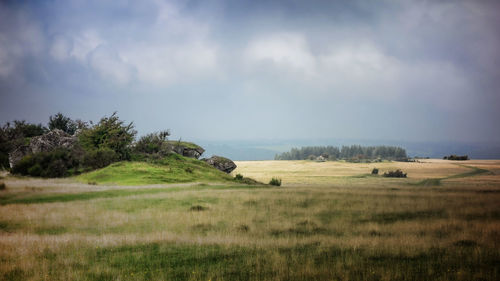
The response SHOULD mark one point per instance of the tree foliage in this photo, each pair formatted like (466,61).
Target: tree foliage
(152,143)
(53,164)
(111,133)
(15,134)
(61,122)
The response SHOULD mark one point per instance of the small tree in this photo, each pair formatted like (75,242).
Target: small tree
(110,132)
(61,122)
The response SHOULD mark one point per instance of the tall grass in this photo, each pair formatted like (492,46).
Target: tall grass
(372,229)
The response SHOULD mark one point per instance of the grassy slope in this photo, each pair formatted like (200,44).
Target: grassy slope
(173,169)
(185,144)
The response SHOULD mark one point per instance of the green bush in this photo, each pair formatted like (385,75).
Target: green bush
(2,186)
(395,174)
(109,133)
(375,171)
(238,177)
(14,135)
(275,181)
(56,163)
(99,158)
(152,143)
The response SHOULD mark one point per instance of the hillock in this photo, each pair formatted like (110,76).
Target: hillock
(173,168)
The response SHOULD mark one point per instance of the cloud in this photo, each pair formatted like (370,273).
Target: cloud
(285,51)
(20,37)
(109,65)
(353,58)
(61,48)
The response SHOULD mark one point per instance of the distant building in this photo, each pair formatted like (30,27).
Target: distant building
(320,159)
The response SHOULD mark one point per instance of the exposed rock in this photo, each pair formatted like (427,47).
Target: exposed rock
(224,164)
(187,149)
(44,143)
(18,154)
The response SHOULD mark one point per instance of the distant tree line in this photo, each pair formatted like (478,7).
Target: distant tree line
(353,152)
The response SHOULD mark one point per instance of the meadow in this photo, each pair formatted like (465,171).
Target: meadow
(328,221)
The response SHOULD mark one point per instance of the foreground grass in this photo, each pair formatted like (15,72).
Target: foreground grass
(173,169)
(372,229)
(164,261)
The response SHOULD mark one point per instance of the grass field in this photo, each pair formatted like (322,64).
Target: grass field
(328,221)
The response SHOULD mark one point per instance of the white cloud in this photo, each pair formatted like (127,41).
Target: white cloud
(286,51)
(84,43)
(107,63)
(61,48)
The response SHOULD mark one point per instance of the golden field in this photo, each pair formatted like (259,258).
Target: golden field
(328,221)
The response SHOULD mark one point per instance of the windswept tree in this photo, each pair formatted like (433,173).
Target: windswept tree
(110,133)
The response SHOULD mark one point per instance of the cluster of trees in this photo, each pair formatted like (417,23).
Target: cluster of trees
(97,145)
(456,157)
(353,152)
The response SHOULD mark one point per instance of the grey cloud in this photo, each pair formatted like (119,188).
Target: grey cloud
(385,69)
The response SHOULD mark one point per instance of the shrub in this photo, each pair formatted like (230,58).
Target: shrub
(275,181)
(241,179)
(14,135)
(152,143)
(99,158)
(56,163)
(2,186)
(198,208)
(110,133)
(395,174)
(375,171)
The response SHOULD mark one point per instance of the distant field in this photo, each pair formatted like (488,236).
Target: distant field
(329,221)
(311,172)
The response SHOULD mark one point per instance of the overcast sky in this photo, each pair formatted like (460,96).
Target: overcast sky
(229,70)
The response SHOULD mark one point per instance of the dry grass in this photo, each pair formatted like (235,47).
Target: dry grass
(339,226)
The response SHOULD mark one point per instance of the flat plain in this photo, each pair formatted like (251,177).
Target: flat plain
(328,221)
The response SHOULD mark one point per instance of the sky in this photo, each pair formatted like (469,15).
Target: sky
(252,70)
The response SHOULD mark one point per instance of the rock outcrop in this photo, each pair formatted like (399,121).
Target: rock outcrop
(224,164)
(44,143)
(187,149)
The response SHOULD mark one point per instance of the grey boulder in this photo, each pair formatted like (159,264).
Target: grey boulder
(47,142)
(224,164)
(187,149)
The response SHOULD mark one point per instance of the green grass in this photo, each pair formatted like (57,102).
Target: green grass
(475,171)
(437,181)
(34,198)
(428,182)
(464,260)
(185,144)
(172,169)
